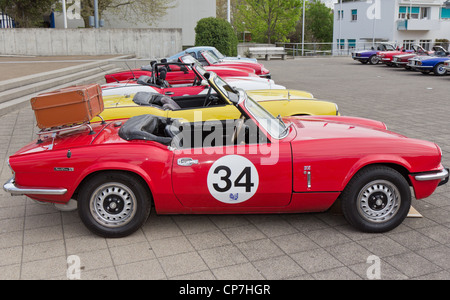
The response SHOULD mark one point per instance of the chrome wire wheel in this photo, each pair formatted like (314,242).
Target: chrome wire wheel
(379,201)
(113,205)
(374,60)
(440,70)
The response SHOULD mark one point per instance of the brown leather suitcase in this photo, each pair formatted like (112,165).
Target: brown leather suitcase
(67,106)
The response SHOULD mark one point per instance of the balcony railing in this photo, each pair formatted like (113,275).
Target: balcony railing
(418,24)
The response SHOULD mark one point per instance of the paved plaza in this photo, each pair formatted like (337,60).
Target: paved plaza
(39,242)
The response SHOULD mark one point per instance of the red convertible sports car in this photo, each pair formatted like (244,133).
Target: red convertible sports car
(386,57)
(118,171)
(179,75)
(210,60)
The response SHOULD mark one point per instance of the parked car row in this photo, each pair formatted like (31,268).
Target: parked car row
(434,61)
(177,137)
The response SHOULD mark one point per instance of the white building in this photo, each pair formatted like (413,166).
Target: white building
(359,24)
(184,15)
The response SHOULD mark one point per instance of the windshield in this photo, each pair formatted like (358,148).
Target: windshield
(274,126)
(200,70)
(389,47)
(225,89)
(189,59)
(217,53)
(211,58)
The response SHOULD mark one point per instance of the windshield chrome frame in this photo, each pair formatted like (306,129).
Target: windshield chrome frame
(244,98)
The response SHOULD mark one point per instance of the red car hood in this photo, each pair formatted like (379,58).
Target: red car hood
(359,135)
(335,147)
(333,125)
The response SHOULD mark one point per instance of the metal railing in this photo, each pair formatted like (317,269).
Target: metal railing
(325,49)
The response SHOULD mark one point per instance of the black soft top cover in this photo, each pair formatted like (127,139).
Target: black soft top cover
(147,127)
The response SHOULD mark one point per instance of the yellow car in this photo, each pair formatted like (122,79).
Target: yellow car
(213,105)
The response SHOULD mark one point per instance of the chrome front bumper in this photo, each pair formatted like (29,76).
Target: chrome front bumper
(11,187)
(443,175)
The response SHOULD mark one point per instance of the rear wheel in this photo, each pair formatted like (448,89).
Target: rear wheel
(377,199)
(114,204)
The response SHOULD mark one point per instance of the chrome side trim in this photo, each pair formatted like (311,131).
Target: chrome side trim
(443,174)
(10,187)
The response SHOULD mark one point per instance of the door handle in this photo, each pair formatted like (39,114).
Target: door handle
(169,93)
(187,162)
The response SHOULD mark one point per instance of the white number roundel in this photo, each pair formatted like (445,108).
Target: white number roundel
(233,179)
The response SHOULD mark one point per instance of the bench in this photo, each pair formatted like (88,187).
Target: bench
(268,52)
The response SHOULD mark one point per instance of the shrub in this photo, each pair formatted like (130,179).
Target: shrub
(216,33)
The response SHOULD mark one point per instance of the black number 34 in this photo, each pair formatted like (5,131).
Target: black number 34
(245,175)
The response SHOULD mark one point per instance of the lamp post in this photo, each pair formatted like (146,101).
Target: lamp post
(96,14)
(64,13)
(303,28)
(229,11)
(340,14)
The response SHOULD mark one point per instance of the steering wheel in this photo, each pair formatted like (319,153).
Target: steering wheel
(237,130)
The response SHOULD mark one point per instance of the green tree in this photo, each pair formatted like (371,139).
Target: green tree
(148,11)
(27,13)
(217,33)
(318,24)
(268,20)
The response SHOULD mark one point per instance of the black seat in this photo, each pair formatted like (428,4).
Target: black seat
(146,127)
(149,99)
(169,103)
(161,80)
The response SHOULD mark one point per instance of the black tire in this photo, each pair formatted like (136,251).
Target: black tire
(439,70)
(377,199)
(373,60)
(114,204)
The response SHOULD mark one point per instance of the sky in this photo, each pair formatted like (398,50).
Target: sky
(329,3)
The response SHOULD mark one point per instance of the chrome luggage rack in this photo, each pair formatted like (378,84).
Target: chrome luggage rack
(54,131)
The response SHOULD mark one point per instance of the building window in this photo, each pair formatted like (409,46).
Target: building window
(406,12)
(340,15)
(351,44)
(354,14)
(407,44)
(425,44)
(445,13)
(425,12)
(341,44)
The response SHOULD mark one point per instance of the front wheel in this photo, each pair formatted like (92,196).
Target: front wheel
(114,204)
(373,60)
(439,70)
(377,199)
